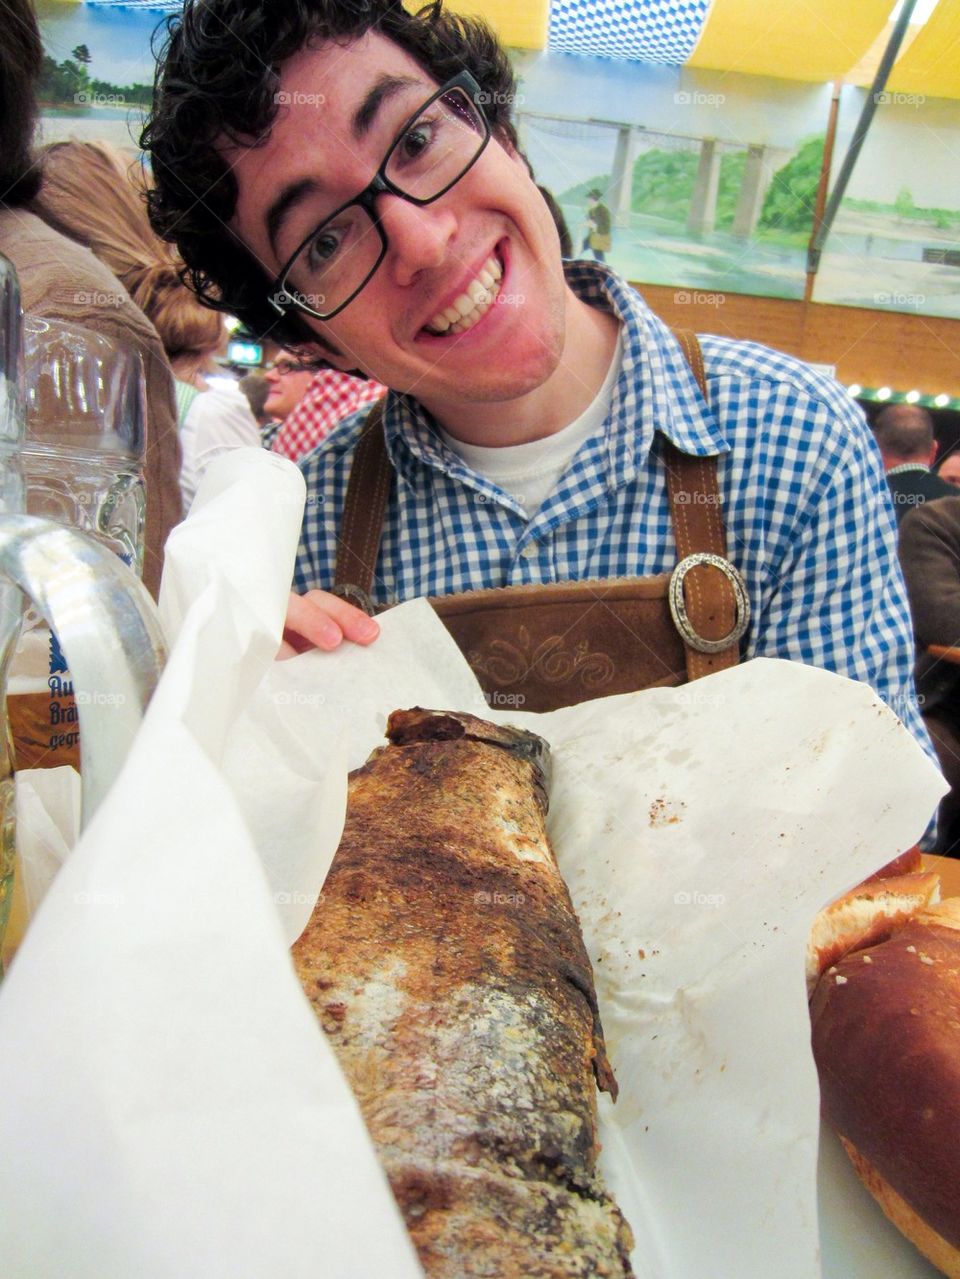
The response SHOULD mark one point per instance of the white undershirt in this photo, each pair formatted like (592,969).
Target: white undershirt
(530,472)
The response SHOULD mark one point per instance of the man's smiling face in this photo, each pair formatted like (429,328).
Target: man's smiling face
(343,106)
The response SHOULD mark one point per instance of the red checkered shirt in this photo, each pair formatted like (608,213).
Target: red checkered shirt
(329,398)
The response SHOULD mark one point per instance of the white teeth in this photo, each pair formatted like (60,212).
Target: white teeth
(472,304)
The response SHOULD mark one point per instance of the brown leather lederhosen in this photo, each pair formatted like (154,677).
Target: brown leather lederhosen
(543,646)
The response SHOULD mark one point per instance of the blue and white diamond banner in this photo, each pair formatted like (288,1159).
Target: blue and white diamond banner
(650,30)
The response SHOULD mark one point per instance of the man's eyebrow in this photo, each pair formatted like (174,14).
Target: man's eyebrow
(290,196)
(387,87)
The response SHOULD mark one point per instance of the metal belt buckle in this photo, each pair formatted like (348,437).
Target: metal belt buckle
(678,607)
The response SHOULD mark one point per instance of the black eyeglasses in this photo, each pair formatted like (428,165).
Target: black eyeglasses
(283,367)
(430,154)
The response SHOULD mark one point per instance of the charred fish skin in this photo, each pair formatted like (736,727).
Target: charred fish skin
(446,965)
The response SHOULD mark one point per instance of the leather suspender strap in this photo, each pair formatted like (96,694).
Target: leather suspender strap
(703,597)
(707,597)
(364,511)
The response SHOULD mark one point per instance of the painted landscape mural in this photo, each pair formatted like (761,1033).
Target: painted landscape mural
(706,179)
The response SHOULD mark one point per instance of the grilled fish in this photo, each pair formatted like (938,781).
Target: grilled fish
(445,963)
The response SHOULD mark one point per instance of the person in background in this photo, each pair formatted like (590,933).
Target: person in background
(94,194)
(287,378)
(904,435)
(930,557)
(256,387)
(949,468)
(61,280)
(598,240)
(328,397)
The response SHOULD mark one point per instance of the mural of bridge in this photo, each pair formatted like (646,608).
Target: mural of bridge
(761,163)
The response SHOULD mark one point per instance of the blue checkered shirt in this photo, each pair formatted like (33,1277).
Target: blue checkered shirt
(807,510)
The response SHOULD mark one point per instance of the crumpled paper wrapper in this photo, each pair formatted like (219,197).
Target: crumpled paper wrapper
(168,1104)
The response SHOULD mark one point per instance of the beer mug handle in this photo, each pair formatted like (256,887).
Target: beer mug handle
(120,517)
(109,631)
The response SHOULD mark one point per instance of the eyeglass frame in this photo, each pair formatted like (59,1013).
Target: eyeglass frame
(296,367)
(380,184)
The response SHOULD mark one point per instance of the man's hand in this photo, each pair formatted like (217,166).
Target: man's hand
(321,620)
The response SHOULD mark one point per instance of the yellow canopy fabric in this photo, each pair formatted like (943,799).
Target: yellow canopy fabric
(931,66)
(817,40)
(865,70)
(520,24)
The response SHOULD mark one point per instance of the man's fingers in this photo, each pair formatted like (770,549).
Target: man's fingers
(352,622)
(321,620)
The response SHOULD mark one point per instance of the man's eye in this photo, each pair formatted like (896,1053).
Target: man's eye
(416,140)
(323,247)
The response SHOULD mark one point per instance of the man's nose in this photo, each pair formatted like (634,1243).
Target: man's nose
(418,235)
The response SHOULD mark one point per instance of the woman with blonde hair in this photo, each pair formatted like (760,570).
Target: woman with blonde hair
(95,195)
(60,280)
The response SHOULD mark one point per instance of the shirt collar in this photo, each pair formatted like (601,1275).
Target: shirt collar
(656,391)
(904,467)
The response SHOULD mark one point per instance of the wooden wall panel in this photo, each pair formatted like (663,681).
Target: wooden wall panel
(773,321)
(874,348)
(878,348)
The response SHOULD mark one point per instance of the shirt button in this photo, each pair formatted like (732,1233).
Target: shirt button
(530,551)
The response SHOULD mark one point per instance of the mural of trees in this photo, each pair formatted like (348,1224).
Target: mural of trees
(790,200)
(70,83)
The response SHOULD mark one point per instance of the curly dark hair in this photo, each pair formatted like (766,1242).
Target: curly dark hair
(21,59)
(217,78)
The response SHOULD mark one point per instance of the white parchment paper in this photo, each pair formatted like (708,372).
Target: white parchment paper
(164,1091)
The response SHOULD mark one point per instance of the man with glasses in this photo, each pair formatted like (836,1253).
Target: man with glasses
(350,176)
(287,379)
(309,399)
